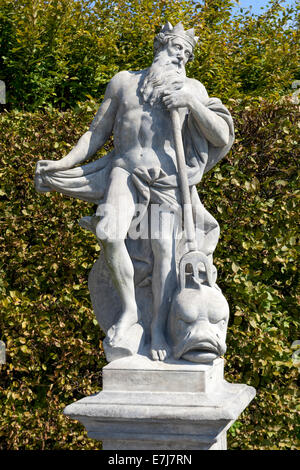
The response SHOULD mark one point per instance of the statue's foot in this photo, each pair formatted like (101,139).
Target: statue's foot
(160,349)
(119,330)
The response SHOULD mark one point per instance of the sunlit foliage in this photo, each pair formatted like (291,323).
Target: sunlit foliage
(56,59)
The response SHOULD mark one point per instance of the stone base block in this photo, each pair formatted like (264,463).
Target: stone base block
(148,405)
(141,374)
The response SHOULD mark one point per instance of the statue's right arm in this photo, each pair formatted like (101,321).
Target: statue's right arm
(99,132)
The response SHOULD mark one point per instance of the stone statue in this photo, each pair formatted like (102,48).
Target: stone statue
(146,300)
(153,288)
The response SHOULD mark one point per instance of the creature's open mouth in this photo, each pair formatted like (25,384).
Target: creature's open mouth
(202,357)
(202,352)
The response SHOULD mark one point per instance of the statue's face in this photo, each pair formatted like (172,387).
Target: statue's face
(179,50)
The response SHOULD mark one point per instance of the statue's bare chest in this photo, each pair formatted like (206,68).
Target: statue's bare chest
(143,117)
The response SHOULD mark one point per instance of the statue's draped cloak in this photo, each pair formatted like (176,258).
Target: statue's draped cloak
(88,182)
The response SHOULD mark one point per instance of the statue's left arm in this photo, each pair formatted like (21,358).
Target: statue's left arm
(193,96)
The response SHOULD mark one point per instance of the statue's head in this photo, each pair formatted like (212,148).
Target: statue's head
(175,39)
(173,48)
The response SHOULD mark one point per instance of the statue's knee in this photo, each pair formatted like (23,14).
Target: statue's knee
(163,249)
(103,231)
(108,236)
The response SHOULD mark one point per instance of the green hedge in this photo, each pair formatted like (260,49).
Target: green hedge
(54,350)
(61,51)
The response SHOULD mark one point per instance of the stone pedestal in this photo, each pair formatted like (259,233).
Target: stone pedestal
(160,406)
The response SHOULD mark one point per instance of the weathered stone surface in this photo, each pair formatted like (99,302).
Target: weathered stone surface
(140,373)
(154,405)
(167,133)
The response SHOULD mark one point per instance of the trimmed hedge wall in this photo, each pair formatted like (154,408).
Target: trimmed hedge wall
(54,349)
(60,52)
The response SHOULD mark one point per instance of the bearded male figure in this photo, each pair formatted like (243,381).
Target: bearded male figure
(142,169)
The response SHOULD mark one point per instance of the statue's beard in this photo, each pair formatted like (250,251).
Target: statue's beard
(163,75)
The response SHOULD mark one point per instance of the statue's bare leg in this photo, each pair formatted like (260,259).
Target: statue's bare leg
(118,211)
(164,282)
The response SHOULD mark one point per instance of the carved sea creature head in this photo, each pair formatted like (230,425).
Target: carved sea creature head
(197,323)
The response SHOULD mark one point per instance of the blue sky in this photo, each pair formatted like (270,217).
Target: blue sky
(257,4)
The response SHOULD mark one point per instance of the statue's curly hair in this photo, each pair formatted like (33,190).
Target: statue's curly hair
(160,40)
